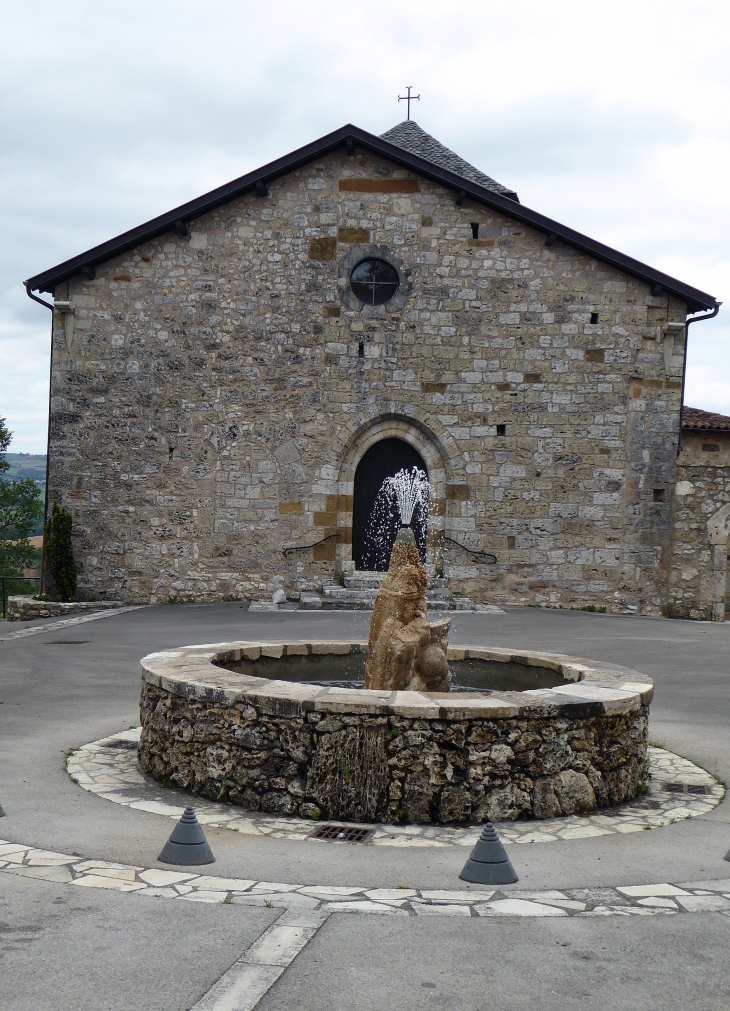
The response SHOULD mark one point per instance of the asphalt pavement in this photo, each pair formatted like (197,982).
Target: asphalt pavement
(70,685)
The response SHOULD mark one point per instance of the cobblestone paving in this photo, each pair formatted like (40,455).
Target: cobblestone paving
(628,900)
(679,789)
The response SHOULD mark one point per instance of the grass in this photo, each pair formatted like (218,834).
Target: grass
(593,609)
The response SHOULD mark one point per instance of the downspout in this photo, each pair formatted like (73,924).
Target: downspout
(48,305)
(695,319)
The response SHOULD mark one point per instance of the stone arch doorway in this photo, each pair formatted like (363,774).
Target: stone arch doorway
(384,459)
(434,454)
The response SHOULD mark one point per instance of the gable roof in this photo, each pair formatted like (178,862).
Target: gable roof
(696,420)
(350,137)
(409,136)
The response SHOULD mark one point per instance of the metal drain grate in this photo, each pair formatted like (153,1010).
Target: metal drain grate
(686,788)
(126,745)
(342,833)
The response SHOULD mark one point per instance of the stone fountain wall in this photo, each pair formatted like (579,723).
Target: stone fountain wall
(359,755)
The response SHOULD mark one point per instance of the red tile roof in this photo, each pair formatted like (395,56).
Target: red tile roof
(694,419)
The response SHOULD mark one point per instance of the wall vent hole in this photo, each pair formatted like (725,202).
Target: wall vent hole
(475,229)
(501,429)
(361,349)
(594,318)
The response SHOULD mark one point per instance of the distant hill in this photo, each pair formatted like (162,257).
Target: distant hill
(26,465)
(32,465)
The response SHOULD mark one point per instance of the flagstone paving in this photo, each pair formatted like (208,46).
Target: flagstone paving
(679,789)
(624,900)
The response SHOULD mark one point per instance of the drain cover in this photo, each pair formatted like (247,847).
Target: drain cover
(342,833)
(126,745)
(686,788)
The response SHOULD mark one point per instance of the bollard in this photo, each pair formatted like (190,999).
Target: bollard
(187,844)
(488,863)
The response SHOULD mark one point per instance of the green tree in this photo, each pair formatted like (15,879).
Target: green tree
(20,507)
(60,552)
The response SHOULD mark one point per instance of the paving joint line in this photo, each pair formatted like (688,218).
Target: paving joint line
(65,622)
(253,974)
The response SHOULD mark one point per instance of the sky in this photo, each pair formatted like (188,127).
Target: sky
(613,118)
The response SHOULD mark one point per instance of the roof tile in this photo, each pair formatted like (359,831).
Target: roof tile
(694,419)
(409,136)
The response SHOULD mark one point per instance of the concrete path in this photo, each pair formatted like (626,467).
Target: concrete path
(65,686)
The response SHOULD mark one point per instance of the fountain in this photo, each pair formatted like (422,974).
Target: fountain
(437,733)
(405,652)
(403,500)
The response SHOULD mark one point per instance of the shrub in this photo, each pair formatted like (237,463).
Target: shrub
(59,552)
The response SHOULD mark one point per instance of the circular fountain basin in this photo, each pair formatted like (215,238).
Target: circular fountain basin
(274,727)
(347,670)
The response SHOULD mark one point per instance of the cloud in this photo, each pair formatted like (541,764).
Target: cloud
(611,118)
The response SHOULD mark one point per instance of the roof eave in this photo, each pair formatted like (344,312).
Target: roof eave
(47,280)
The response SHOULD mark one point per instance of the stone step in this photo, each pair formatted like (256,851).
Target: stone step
(373,580)
(352,601)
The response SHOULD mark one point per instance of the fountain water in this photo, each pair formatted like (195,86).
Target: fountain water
(403,500)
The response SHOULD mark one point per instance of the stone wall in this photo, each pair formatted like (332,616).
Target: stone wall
(212,395)
(698,582)
(393,756)
(22,608)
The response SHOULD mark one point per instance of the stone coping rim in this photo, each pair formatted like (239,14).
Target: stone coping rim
(593,688)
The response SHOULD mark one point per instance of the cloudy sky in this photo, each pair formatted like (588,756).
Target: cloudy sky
(613,118)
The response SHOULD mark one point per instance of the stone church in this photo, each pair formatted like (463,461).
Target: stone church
(233,380)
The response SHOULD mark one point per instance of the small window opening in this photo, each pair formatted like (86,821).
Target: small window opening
(361,349)
(510,543)
(501,429)
(475,229)
(594,318)
(170,451)
(659,494)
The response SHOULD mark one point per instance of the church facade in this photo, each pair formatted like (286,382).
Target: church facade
(224,376)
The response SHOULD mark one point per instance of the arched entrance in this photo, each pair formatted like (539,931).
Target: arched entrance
(384,459)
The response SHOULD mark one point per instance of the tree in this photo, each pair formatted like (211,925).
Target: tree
(20,507)
(60,552)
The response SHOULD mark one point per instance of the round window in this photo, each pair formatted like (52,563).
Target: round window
(374,281)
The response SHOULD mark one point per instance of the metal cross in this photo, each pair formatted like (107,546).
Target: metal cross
(409,98)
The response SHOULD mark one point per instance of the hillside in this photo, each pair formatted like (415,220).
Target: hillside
(27,465)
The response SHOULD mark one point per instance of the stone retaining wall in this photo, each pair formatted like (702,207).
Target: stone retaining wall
(27,609)
(399,757)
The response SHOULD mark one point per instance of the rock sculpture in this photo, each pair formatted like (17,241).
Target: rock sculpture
(405,652)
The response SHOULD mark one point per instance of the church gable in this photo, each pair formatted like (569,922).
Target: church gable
(222,394)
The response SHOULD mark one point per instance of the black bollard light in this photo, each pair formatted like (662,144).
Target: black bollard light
(489,863)
(187,844)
